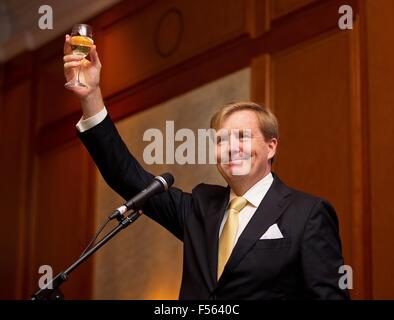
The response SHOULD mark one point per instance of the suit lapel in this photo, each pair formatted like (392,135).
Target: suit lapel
(212,220)
(269,211)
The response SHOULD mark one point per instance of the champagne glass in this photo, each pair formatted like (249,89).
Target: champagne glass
(81,41)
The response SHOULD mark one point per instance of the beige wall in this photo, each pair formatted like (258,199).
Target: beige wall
(145,261)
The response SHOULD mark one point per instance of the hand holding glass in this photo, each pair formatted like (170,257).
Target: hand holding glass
(81,41)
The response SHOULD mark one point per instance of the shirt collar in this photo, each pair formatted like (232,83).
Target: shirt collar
(256,193)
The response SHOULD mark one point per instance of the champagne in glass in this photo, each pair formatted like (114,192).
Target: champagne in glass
(81,45)
(81,41)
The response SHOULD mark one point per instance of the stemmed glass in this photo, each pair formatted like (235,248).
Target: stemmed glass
(81,41)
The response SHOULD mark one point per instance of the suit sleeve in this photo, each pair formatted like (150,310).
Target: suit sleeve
(127,177)
(321,253)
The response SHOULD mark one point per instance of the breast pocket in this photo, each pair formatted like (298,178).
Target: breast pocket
(272,243)
(269,257)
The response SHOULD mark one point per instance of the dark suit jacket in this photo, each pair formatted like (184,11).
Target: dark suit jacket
(304,264)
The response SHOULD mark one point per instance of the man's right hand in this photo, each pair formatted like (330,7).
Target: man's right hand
(90,96)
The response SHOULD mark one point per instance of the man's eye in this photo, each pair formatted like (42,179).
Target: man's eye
(221,140)
(244,135)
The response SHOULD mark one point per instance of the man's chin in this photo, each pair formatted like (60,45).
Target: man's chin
(235,171)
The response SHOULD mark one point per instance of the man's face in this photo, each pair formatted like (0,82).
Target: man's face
(241,149)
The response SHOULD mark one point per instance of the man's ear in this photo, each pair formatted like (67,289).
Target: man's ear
(272,144)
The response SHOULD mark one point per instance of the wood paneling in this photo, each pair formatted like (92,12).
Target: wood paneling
(317,89)
(62,216)
(311,98)
(307,23)
(179,79)
(380,51)
(17,69)
(14,172)
(260,75)
(54,102)
(213,63)
(360,168)
(282,7)
(330,89)
(1,76)
(257,17)
(1,96)
(172,32)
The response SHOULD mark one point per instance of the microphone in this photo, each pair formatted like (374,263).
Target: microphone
(158,185)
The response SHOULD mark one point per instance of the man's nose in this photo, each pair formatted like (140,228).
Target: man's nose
(234,141)
(235,146)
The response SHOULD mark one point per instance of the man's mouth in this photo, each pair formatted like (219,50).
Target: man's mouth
(238,161)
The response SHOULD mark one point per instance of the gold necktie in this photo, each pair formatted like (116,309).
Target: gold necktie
(226,241)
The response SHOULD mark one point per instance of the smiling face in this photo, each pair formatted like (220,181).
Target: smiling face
(243,154)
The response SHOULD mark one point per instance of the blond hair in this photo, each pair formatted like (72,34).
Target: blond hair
(267,120)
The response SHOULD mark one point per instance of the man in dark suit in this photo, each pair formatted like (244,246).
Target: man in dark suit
(255,238)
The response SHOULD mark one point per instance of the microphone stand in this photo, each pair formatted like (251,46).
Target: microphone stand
(51,290)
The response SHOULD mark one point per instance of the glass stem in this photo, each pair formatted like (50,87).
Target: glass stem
(79,70)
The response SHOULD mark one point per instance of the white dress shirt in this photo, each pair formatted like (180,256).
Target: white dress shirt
(92,121)
(254,196)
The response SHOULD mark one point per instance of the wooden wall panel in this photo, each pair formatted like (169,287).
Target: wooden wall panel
(283,7)
(332,92)
(257,17)
(311,96)
(62,216)
(1,77)
(1,96)
(14,172)
(54,102)
(379,46)
(172,32)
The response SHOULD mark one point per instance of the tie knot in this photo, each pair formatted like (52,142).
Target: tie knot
(238,204)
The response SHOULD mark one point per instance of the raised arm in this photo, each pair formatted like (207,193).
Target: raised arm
(118,167)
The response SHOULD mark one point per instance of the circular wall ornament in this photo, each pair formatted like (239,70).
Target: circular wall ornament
(168,32)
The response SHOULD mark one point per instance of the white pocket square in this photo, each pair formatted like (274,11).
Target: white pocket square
(273,232)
